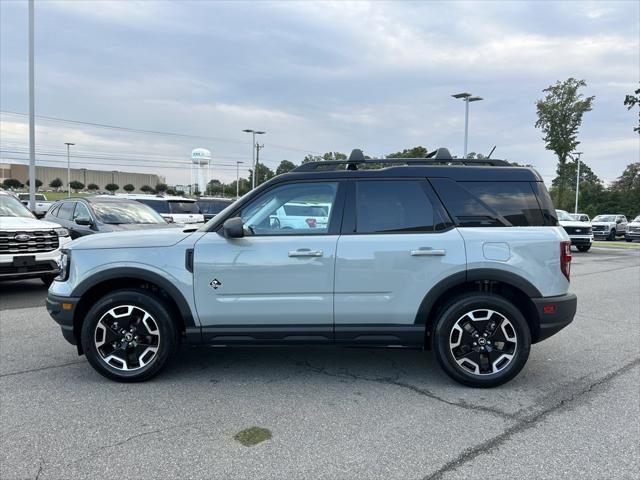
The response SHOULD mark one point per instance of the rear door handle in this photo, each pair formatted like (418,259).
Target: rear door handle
(305,252)
(428,252)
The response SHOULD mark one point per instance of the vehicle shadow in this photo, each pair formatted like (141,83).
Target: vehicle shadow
(22,293)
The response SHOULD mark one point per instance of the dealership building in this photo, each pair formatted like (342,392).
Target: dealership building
(101,178)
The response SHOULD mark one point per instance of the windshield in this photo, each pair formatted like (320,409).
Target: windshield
(637,219)
(564,216)
(605,218)
(11,207)
(115,213)
(38,197)
(183,207)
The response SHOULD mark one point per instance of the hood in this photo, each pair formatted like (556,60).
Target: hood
(151,238)
(633,224)
(606,224)
(107,227)
(574,223)
(25,223)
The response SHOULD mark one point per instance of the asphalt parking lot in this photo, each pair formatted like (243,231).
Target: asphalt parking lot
(333,413)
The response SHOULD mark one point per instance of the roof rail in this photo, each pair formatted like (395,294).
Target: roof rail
(441,156)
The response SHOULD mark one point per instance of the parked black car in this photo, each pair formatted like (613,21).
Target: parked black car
(210,207)
(85,216)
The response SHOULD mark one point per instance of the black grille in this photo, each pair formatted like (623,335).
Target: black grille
(598,228)
(39,267)
(28,242)
(578,230)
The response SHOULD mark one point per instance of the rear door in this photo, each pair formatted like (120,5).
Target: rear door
(397,243)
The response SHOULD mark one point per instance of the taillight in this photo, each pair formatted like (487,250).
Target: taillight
(311,222)
(565,258)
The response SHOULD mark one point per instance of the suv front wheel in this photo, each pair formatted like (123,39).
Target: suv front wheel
(481,340)
(128,335)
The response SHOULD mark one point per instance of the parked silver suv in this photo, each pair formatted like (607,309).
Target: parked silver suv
(463,257)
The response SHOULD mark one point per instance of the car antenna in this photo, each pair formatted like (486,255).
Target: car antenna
(489,156)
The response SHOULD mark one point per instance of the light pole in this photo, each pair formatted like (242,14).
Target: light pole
(577,180)
(258,148)
(253,153)
(466,98)
(238,162)
(32,114)
(68,144)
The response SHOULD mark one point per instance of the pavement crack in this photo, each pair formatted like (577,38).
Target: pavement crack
(524,423)
(39,369)
(40,469)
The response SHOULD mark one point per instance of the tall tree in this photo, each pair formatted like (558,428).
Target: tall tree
(631,101)
(559,117)
(264,173)
(284,167)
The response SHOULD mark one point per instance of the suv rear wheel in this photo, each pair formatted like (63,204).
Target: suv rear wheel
(128,335)
(481,340)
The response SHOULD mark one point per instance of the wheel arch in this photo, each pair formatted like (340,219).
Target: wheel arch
(506,284)
(119,278)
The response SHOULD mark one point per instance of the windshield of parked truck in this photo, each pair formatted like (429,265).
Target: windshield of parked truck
(564,216)
(605,218)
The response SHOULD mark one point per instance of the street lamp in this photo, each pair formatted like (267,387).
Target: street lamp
(68,144)
(253,152)
(467,97)
(238,162)
(577,180)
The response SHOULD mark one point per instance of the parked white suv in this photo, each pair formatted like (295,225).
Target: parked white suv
(298,215)
(29,248)
(579,231)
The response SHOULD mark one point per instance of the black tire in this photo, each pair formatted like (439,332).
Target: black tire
(160,332)
(612,235)
(629,239)
(47,280)
(584,248)
(500,372)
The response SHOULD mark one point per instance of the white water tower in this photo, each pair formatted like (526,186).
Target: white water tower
(200,168)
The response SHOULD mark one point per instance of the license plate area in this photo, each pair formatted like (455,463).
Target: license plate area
(24,261)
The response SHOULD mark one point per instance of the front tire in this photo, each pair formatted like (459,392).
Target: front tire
(128,335)
(584,248)
(612,235)
(481,340)
(47,280)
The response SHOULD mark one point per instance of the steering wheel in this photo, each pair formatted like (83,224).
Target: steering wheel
(274,223)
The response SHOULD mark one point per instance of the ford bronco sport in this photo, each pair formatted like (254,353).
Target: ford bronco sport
(463,257)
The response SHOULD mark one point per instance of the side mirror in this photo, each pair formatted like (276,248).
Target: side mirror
(233,228)
(84,221)
(618,221)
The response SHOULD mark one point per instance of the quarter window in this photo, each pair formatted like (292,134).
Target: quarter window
(384,206)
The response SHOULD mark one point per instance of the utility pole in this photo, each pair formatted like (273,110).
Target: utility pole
(253,152)
(577,180)
(68,144)
(32,113)
(255,172)
(466,97)
(238,178)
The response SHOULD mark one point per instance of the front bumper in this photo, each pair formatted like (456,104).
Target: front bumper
(581,240)
(61,310)
(27,266)
(554,313)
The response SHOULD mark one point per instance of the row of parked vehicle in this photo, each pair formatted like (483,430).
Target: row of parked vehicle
(583,231)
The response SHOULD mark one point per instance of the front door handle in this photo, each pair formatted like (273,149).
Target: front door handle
(428,252)
(305,252)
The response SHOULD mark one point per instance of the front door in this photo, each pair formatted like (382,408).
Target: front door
(274,284)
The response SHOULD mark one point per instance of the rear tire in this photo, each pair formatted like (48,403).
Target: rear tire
(475,319)
(128,335)
(584,248)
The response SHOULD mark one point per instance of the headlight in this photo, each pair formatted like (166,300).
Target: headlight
(63,265)
(62,232)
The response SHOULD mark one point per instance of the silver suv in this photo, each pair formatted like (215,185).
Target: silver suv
(464,258)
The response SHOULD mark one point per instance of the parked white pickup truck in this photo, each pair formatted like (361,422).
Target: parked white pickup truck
(42,204)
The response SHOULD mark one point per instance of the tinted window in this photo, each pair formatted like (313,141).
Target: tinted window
(393,206)
(263,215)
(460,203)
(213,207)
(66,210)
(116,213)
(183,207)
(160,206)
(54,210)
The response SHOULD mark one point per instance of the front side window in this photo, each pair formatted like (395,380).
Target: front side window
(267,215)
(81,211)
(66,210)
(386,206)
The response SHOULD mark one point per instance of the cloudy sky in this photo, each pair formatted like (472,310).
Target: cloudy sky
(317,76)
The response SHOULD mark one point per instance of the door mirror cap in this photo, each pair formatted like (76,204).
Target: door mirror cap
(84,221)
(233,228)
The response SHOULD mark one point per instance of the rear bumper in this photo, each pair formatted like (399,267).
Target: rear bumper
(554,313)
(61,310)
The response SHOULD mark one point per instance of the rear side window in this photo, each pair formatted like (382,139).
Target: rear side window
(184,207)
(491,204)
(393,206)
(66,210)
(160,206)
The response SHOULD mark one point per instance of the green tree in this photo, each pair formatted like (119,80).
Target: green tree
(559,117)
(56,183)
(129,188)
(161,187)
(215,187)
(264,173)
(38,183)
(415,152)
(311,158)
(626,191)
(76,185)
(592,191)
(284,167)
(111,187)
(171,191)
(631,101)
(93,187)
(334,156)
(146,189)
(11,183)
